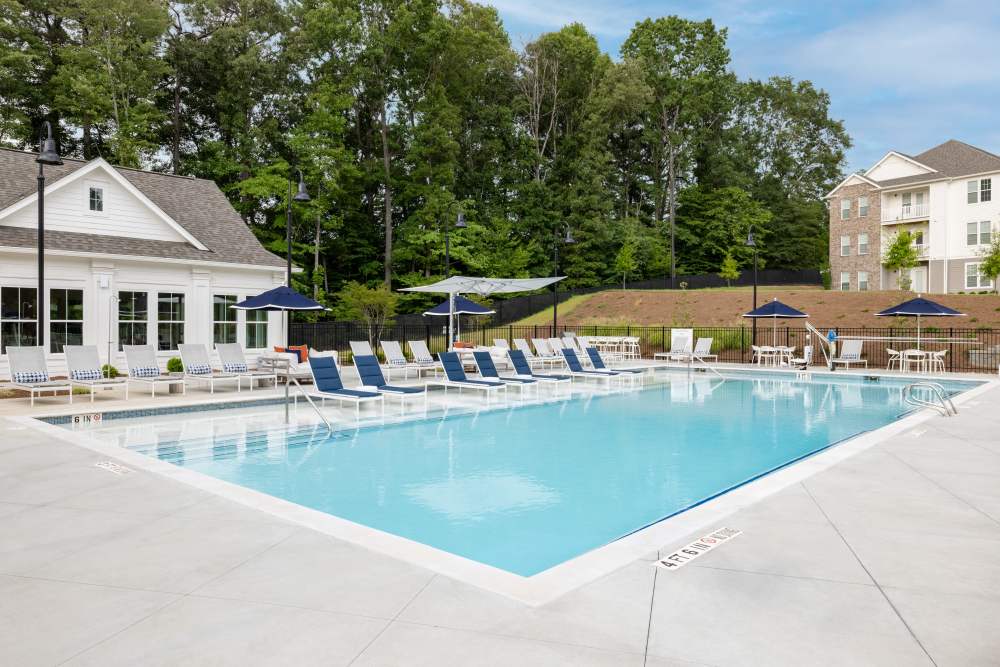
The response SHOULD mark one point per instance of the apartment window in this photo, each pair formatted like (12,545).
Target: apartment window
(863,207)
(918,239)
(96,199)
(862,244)
(224,318)
(978,233)
(65,318)
(170,320)
(845,246)
(845,281)
(845,209)
(862,281)
(256,329)
(907,204)
(986,189)
(133,318)
(18,322)
(974,279)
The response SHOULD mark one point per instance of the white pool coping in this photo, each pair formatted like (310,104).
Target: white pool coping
(553,582)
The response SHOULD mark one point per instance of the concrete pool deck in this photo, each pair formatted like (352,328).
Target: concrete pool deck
(891,556)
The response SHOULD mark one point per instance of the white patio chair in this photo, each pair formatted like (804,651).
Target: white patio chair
(850,353)
(681,345)
(895,357)
(140,360)
(805,360)
(422,357)
(29,373)
(395,360)
(935,361)
(703,350)
(198,367)
(84,366)
(234,361)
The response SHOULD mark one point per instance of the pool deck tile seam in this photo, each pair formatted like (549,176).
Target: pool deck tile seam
(875,582)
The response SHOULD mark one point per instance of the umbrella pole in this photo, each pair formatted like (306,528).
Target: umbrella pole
(451,317)
(284,315)
(918,331)
(774,332)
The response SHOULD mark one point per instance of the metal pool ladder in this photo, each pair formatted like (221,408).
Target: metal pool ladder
(942,403)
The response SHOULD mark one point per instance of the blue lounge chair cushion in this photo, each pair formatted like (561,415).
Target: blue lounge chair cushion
(484,383)
(325,374)
(353,393)
(452,366)
(369,371)
(598,361)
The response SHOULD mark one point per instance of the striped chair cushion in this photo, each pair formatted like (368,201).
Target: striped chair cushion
(31,377)
(144,372)
(397,362)
(199,369)
(234,368)
(86,374)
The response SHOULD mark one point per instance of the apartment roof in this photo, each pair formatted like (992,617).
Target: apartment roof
(951,159)
(195,204)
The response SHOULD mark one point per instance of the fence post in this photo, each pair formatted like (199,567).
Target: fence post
(951,350)
(743,344)
(510,335)
(663,339)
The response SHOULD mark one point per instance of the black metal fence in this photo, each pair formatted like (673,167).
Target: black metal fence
(968,350)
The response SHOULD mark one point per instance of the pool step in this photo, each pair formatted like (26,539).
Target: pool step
(226,447)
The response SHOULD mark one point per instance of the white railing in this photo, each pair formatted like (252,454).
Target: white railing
(911,212)
(922,251)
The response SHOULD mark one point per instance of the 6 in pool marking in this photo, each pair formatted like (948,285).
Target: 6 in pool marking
(688,553)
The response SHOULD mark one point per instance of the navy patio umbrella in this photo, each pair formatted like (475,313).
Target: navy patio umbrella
(920,307)
(462,306)
(282,299)
(775,310)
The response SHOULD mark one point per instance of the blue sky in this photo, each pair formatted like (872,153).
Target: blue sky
(901,75)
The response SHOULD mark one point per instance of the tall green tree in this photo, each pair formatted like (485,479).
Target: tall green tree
(685,66)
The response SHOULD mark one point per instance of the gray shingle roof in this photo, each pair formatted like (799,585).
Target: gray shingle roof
(951,159)
(196,204)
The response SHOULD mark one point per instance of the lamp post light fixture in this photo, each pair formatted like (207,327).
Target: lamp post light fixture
(301,196)
(750,243)
(567,240)
(47,154)
(459,224)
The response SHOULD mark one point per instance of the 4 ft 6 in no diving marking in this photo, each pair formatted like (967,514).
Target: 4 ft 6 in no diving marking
(685,555)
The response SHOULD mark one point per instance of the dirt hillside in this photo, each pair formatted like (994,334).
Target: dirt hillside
(723,307)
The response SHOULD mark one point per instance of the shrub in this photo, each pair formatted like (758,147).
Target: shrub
(175,365)
(109,371)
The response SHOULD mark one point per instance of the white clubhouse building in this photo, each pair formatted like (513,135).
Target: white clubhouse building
(944,196)
(131,257)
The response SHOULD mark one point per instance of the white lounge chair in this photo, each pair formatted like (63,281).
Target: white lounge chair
(703,350)
(422,357)
(362,348)
(531,357)
(850,353)
(145,369)
(454,376)
(84,366)
(198,367)
(501,344)
(681,345)
(234,361)
(29,373)
(488,371)
(328,384)
(395,360)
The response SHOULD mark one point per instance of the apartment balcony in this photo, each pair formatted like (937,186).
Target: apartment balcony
(911,213)
(923,251)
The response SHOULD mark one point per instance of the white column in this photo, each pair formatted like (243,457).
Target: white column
(198,311)
(100,312)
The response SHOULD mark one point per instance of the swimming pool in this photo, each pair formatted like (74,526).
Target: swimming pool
(527,488)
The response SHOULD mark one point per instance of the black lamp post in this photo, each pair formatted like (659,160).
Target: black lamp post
(750,243)
(568,240)
(459,224)
(47,154)
(301,196)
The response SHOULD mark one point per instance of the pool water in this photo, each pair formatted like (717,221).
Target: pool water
(526,488)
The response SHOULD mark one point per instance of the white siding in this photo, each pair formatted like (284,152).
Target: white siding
(67,209)
(895,167)
(101,279)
